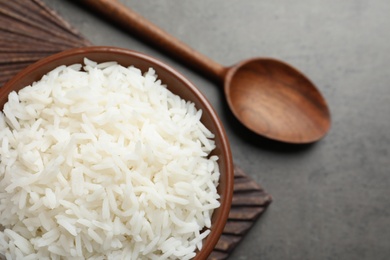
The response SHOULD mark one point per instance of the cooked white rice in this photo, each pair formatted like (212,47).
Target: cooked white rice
(101,162)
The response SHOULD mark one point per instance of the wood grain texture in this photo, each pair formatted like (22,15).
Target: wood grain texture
(20,46)
(275,100)
(29,31)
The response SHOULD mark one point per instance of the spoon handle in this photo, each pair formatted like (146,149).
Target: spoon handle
(136,24)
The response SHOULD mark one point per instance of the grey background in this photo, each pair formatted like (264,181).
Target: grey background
(331,199)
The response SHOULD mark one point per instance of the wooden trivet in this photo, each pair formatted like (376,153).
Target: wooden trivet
(249,201)
(29,31)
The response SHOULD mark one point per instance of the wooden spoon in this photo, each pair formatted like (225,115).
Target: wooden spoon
(268,96)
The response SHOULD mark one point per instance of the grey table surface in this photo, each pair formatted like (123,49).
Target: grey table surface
(331,199)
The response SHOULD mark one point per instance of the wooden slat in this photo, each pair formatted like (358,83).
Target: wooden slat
(218,255)
(257,198)
(227,243)
(246,213)
(244,184)
(237,228)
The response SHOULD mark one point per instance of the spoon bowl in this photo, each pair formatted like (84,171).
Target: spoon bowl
(268,96)
(275,100)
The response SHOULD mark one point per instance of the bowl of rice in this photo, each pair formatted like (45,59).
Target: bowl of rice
(106,153)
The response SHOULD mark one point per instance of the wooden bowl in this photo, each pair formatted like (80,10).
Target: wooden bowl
(176,83)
